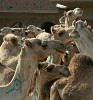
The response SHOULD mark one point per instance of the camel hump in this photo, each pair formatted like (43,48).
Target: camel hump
(82,59)
(11,38)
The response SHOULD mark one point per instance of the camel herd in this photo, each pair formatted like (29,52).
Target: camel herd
(56,65)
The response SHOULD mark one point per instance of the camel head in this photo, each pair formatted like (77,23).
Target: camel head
(77,27)
(11,38)
(63,35)
(16,31)
(70,16)
(73,14)
(78,12)
(5,30)
(53,68)
(42,49)
(32,31)
(11,43)
(61,69)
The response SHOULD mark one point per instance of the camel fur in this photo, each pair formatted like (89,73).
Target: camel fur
(28,59)
(9,50)
(63,35)
(79,85)
(46,73)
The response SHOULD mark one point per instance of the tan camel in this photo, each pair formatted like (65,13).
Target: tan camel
(32,31)
(63,35)
(15,31)
(6,74)
(70,16)
(44,36)
(47,72)
(9,50)
(61,32)
(79,85)
(8,30)
(28,59)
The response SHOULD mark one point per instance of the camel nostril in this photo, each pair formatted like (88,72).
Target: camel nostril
(49,69)
(66,73)
(60,34)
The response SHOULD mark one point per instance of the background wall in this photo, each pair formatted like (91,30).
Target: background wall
(37,12)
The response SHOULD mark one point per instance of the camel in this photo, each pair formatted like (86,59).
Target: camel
(44,36)
(6,74)
(85,41)
(47,72)
(8,30)
(70,16)
(32,31)
(15,31)
(63,35)
(61,32)
(9,50)
(78,86)
(28,58)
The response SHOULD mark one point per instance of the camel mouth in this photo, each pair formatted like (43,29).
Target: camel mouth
(65,74)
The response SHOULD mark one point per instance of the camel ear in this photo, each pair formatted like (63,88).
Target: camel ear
(65,13)
(62,19)
(89,26)
(53,31)
(85,22)
(74,23)
(28,43)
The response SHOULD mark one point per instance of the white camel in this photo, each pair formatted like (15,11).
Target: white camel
(85,42)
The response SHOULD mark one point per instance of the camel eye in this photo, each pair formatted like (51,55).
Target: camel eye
(19,30)
(38,29)
(44,44)
(26,33)
(70,13)
(73,45)
(60,34)
(13,31)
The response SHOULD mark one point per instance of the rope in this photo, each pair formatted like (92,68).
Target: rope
(17,85)
(35,95)
(50,59)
